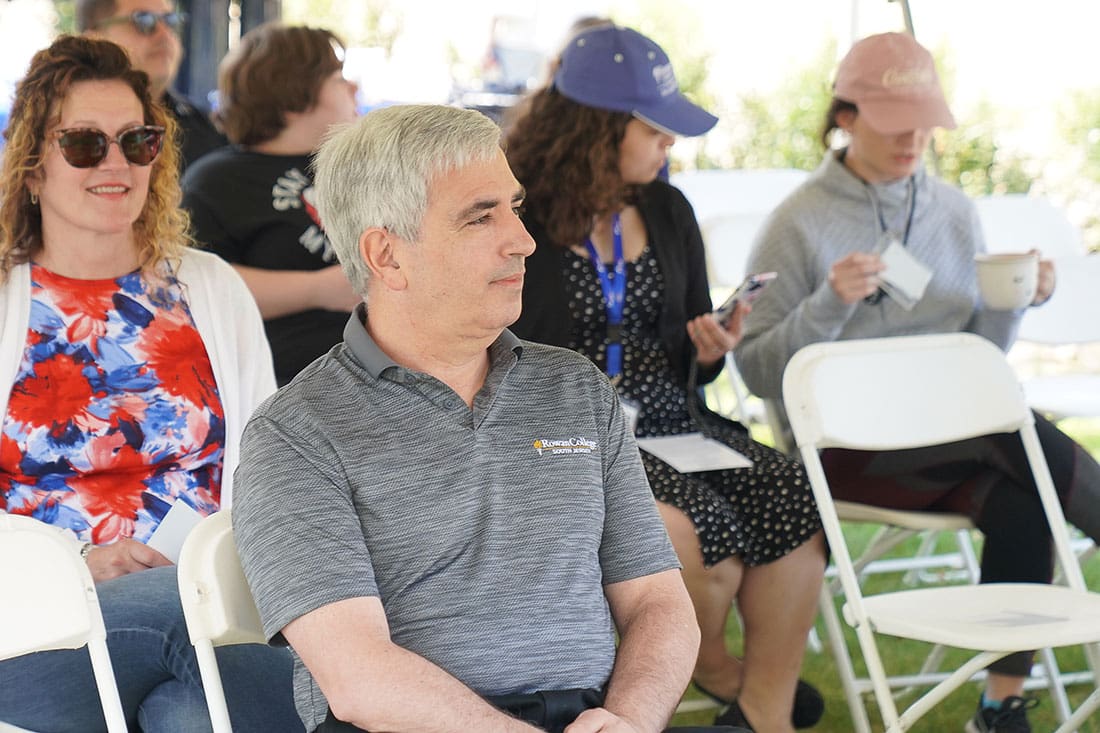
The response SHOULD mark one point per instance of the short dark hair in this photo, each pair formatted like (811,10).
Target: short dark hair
(275,69)
(90,13)
(835,108)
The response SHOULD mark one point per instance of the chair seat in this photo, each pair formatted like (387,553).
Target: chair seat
(1064,395)
(1004,616)
(937,521)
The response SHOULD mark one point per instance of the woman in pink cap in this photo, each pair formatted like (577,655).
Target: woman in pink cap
(619,275)
(826,241)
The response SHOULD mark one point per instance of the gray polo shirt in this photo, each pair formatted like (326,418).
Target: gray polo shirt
(487,533)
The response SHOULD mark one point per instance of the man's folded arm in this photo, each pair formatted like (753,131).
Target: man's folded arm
(375,684)
(658,643)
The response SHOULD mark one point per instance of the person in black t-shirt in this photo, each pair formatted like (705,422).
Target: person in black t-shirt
(281,90)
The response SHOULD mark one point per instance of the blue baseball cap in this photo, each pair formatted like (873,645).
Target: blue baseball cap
(621,70)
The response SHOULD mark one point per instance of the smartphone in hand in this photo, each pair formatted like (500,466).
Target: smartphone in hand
(748,291)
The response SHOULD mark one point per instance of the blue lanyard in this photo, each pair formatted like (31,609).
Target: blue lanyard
(614,293)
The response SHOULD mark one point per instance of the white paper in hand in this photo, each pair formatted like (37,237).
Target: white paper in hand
(693,452)
(905,277)
(169,535)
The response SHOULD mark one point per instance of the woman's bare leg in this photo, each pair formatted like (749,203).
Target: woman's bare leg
(712,591)
(778,603)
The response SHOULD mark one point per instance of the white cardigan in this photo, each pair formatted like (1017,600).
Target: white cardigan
(229,324)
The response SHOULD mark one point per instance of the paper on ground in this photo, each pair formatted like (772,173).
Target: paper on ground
(693,452)
(169,535)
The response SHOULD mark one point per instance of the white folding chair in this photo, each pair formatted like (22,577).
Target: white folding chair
(50,602)
(716,192)
(907,392)
(217,604)
(1017,222)
(1065,387)
(926,565)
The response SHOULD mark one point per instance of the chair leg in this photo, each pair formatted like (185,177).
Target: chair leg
(1054,685)
(1082,714)
(839,646)
(212,686)
(108,688)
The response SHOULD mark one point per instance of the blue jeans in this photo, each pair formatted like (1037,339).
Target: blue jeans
(156,669)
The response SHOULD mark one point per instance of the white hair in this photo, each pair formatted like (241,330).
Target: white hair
(376,172)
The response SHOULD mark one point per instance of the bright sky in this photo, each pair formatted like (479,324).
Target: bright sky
(1021,54)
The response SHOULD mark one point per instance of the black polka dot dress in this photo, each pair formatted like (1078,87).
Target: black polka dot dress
(757,514)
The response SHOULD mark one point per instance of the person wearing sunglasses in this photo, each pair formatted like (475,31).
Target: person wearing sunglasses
(282,88)
(150,30)
(124,388)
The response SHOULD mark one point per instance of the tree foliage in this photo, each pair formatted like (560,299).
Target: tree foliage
(782,129)
(1079,126)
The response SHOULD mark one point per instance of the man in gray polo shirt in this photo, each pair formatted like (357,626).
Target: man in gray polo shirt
(437,516)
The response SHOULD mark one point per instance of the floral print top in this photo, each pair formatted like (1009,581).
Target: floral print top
(114,413)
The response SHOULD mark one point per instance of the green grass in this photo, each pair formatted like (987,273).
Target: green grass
(904,656)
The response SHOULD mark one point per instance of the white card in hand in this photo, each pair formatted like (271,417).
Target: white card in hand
(169,535)
(693,452)
(904,275)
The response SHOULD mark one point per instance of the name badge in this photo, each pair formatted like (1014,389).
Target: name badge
(632,411)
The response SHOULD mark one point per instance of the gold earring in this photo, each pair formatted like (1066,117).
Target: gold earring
(34,199)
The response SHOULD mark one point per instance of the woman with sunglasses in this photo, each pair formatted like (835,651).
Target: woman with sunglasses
(129,364)
(281,89)
(619,276)
(871,202)
(150,31)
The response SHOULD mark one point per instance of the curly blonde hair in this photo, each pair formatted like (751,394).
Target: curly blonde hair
(160,231)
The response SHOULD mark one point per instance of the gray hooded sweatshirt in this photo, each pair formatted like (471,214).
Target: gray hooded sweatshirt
(835,213)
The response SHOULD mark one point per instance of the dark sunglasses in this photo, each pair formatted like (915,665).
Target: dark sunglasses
(145,21)
(85,147)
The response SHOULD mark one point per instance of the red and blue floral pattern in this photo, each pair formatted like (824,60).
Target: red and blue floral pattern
(114,413)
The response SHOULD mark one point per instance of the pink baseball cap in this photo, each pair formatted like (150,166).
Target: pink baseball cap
(892,80)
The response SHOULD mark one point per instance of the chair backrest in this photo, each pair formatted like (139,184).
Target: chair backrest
(886,394)
(728,239)
(1018,222)
(217,602)
(1072,315)
(49,602)
(717,192)
(907,392)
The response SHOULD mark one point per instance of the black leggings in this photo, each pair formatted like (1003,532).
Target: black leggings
(988,480)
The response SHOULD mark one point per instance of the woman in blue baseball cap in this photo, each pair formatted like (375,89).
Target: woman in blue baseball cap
(619,275)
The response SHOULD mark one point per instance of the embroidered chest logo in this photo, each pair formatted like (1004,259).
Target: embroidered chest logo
(566,445)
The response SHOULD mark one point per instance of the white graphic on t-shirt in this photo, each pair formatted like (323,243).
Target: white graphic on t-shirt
(294,190)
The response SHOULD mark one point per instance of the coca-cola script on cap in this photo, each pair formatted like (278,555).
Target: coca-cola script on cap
(892,80)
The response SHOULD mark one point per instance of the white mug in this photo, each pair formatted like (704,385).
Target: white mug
(1008,281)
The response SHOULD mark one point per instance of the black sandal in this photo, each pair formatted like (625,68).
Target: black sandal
(732,715)
(806,711)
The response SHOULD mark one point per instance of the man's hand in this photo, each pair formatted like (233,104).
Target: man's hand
(600,720)
(856,276)
(121,558)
